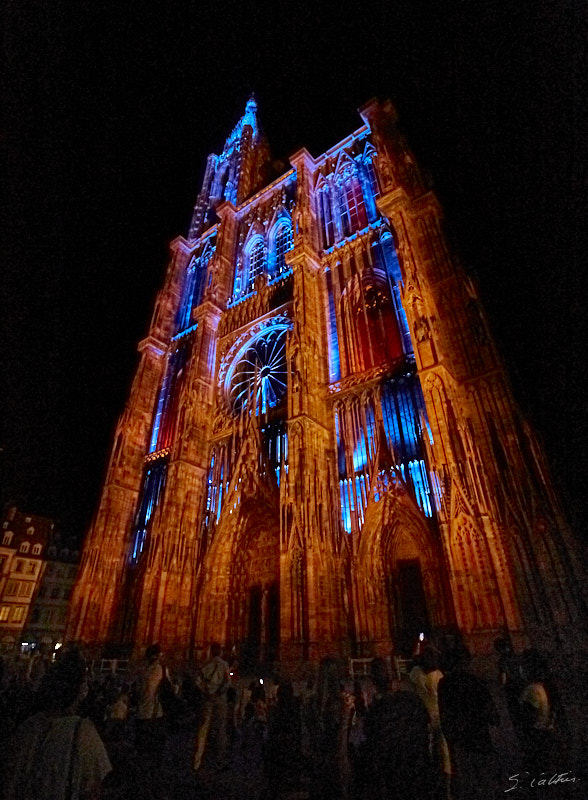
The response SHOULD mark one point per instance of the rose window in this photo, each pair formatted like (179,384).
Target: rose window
(258,376)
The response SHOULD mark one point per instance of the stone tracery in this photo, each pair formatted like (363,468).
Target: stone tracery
(384,484)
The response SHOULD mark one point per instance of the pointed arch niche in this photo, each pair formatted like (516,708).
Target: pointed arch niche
(400,592)
(240,601)
(370,327)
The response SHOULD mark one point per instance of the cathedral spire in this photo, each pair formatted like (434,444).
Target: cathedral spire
(234,174)
(250,115)
(248,120)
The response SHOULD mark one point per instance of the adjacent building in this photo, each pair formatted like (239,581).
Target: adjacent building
(45,627)
(23,542)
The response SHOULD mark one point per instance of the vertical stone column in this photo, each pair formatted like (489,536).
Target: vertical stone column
(310,437)
(477,451)
(169,591)
(97,594)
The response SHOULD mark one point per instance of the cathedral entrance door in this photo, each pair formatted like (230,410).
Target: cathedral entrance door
(253,644)
(410,604)
(273,622)
(256,582)
(263,635)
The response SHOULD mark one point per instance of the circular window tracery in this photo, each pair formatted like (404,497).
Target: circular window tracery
(258,376)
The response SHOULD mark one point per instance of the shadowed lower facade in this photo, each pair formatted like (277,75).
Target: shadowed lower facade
(320,452)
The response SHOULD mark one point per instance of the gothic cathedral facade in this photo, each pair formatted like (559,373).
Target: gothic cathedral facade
(321,452)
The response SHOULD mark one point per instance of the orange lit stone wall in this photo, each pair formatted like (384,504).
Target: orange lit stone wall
(274,569)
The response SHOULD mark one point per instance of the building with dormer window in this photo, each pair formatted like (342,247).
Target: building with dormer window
(24,540)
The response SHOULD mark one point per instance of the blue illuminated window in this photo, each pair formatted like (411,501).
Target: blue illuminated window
(418,475)
(153,485)
(194,284)
(275,439)
(167,402)
(326,213)
(373,179)
(255,262)
(369,185)
(343,210)
(356,431)
(283,243)
(345,507)
(163,394)
(334,357)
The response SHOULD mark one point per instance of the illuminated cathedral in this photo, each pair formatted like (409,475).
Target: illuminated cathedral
(321,452)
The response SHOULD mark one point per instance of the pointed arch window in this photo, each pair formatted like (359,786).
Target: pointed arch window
(326,214)
(352,197)
(282,243)
(167,403)
(369,326)
(342,207)
(255,261)
(369,185)
(153,486)
(194,284)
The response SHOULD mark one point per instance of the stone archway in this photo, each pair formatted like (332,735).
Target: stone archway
(410,604)
(401,583)
(254,619)
(239,597)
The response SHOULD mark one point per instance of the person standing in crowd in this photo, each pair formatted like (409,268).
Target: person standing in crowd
(282,750)
(509,676)
(330,767)
(425,677)
(56,754)
(538,715)
(467,711)
(211,737)
(358,755)
(397,737)
(150,721)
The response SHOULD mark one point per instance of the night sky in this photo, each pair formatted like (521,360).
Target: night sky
(111,112)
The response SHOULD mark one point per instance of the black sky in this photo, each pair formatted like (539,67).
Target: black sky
(109,116)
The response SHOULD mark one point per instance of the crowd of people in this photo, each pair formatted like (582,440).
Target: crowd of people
(423,735)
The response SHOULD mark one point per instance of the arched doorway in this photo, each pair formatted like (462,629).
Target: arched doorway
(409,604)
(254,624)
(400,578)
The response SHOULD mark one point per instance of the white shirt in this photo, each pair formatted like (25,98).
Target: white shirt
(149,706)
(46,750)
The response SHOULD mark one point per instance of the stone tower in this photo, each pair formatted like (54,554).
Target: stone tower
(321,451)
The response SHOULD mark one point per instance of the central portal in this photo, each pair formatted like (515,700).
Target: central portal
(411,613)
(263,638)
(256,592)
